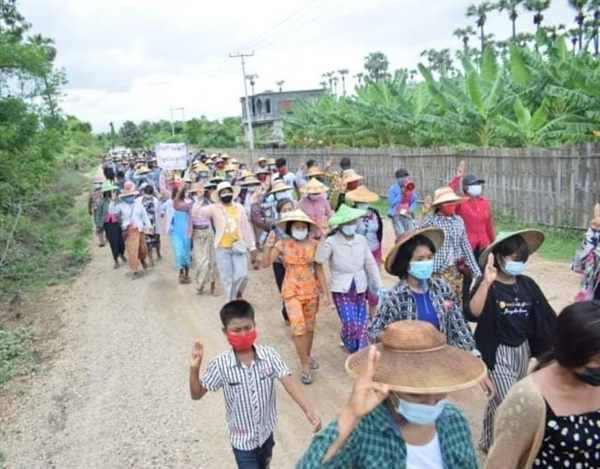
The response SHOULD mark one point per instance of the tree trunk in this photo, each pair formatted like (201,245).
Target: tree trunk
(514,29)
(482,39)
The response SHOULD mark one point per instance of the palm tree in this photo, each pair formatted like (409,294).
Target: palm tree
(512,7)
(573,36)
(553,31)
(480,12)
(335,81)
(252,80)
(537,7)
(376,64)
(359,76)
(343,72)
(579,5)
(594,8)
(329,76)
(280,84)
(46,44)
(464,34)
(323,84)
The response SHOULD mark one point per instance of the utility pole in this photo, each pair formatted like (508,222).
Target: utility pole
(248,115)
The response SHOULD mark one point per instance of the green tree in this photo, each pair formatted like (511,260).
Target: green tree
(537,7)
(512,8)
(130,136)
(480,12)
(376,65)
(579,6)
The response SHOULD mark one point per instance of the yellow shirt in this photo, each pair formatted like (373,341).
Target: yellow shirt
(230,235)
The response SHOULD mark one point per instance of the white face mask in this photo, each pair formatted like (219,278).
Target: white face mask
(299,235)
(475,190)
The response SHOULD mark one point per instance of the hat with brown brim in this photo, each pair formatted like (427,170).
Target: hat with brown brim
(314,187)
(250,181)
(230,167)
(533,238)
(445,195)
(244,173)
(128,189)
(349,175)
(415,358)
(223,186)
(225,156)
(362,195)
(279,186)
(435,235)
(295,215)
(314,171)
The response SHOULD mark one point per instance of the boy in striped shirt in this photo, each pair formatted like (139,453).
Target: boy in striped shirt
(246,373)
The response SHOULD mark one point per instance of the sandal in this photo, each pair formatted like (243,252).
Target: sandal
(306,378)
(187,280)
(314,364)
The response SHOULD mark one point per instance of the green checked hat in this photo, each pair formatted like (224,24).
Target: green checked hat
(107,187)
(346,214)
(533,238)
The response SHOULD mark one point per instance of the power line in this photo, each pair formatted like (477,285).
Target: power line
(305,24)
(276,26)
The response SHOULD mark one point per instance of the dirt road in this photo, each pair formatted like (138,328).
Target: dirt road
(116,394)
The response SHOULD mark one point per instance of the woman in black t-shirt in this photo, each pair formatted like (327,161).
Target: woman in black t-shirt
(515,320)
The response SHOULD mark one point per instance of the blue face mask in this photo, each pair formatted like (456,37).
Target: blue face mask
(299,235)
(475,191)
(421,270)
(420,414)
(514,268)
(348,230)
(129,199)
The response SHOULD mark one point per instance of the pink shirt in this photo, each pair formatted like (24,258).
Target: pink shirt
(317,210)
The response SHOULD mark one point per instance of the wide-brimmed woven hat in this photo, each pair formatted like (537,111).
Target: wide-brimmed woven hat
(295,215)
(345,214)
(314,187)
(271,161)
(533,238)
(415,358)
(216,180)
(349,175)
(445,195)
(279,186)
(314,171)
(261,159)
(200,167)
(244,173)
(435,235)
(108,187)
(234,161)
(225,156)
(261,171)
(128,189)
(230,167)
(221,187)
(362,195)
(250,181)
(143,170)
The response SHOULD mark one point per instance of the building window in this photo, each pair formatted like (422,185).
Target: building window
(258,106)
(268,106)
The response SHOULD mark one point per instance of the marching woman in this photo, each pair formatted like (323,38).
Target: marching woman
(371,227)
(515,321)
(134,223)
(587,260)
(153,209)
(353,269)
(283,206)
(455,257)
(180,230)
(106,215)
(204,246)
(315,203)
(552,417)
(303,283)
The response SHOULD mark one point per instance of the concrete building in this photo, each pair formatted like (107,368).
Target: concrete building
(268,109)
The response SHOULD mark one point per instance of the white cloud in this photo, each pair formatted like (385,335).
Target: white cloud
(137,59)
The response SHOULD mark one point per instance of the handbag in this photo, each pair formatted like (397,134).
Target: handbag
(239,247)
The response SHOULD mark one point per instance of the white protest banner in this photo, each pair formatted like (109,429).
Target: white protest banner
(171,155)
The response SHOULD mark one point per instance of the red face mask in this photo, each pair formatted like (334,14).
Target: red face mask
(352,185)
(242,342)
(282,171)
(448,210)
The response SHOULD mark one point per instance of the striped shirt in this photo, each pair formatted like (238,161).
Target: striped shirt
(250,406)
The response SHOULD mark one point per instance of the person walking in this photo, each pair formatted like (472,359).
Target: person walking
(403,200)
(106,216)
(476,212)
(353,269)
(153,209)
(134,223)
(94,200)
(204,246)
(303,283)
(514,319)
(234,238)
(314,202)
(180,230)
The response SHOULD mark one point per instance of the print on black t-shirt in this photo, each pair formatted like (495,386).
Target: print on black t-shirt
(513,305)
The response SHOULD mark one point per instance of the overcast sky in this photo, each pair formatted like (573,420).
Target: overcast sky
(137,59)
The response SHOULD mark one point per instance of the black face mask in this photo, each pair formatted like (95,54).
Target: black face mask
(591,376)
(226,199)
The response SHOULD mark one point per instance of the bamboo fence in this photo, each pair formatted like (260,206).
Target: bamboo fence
(551,187)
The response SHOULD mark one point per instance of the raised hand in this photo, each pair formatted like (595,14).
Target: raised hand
(427,204)
(460,170)
(367,393)
(197,354)
(270,243)
(490,273)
